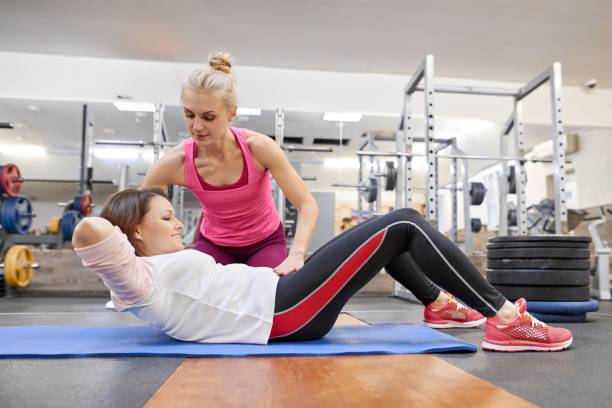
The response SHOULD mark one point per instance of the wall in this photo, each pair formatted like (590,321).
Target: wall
(81,78)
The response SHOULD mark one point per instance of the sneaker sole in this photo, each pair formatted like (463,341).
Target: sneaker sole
(509,349)
(456,325)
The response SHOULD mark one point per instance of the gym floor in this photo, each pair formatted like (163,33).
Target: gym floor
(580,376)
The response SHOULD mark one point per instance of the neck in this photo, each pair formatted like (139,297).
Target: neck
(219,148)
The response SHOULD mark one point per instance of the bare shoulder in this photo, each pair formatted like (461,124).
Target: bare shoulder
(263,147)
(167,170)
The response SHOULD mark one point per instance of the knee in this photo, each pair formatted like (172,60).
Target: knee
(409,214)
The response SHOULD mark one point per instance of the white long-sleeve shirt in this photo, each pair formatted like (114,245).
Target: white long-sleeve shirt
(186,294)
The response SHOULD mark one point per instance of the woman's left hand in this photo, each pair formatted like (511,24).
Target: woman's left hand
(293,262)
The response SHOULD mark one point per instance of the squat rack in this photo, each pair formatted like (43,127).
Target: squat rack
(405,139)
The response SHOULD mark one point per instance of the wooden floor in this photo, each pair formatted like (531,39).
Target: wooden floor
(328,381)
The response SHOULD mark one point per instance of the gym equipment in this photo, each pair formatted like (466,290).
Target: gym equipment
(543,244)
(477,193)
(10,179)
(563,307)
(537,263)
(371,190)
(476,225)
(53,226)
(390,176)
(18,266)
(423,80)
(549,293)
(540,238)
(144,341)
(16,214)
(538,277)
(511,253)
(560,318)
(83,204)
(69,221)
(601,270)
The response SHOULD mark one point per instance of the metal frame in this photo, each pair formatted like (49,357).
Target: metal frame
(425,74)
(279,135)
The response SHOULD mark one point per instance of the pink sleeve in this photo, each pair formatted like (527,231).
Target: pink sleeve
(130,278)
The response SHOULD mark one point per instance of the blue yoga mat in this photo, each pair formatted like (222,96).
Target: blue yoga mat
(563,307)
(70,341)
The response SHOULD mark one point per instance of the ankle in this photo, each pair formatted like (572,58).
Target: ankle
(441,300)
(507,313)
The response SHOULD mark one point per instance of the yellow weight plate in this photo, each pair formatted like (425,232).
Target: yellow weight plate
(53,226)
(18,266)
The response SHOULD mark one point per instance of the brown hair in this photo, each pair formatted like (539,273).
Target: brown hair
(127,208)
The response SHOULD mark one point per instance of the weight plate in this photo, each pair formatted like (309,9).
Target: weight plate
(535,263)
(477,193)
(572,253)
(10,180)
(82,203)
(544,244)
(560,318)
(539,238)
(391,176)
(476,225)
(556,293)
(538,277)
(16,214)
(53,226)
(563,307)
(18,266)
(68,223)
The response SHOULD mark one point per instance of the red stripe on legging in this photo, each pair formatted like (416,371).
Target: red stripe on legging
(293,319)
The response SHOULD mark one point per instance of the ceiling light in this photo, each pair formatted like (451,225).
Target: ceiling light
(342,117)
(116,153)
(33,108)
(23,150)
(341,163)
(248,112)
(134,106)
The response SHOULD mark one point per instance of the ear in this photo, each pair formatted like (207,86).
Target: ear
(138,233)
(232,113)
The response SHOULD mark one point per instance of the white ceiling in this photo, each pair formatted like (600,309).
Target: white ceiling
(506,40)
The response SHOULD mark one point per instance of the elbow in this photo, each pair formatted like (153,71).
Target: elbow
(90,231)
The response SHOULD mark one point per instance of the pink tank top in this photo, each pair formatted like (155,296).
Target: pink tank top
(238,216)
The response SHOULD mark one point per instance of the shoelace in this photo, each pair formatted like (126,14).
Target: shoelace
(458,306)
(534,322)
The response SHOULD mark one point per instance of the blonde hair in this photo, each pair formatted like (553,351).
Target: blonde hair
(217,77)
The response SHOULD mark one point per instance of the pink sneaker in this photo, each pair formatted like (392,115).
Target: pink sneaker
(525,333)
(452,315)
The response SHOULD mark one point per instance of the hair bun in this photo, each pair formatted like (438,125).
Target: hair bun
(220,61)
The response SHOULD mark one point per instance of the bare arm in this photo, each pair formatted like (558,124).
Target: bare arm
(167,170)
(270,155)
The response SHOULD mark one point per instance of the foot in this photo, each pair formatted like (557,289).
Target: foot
(524,333)
(451,315)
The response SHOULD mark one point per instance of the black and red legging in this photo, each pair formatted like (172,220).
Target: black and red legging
(308,301)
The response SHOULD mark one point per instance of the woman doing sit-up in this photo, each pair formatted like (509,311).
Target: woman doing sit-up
(136,249)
